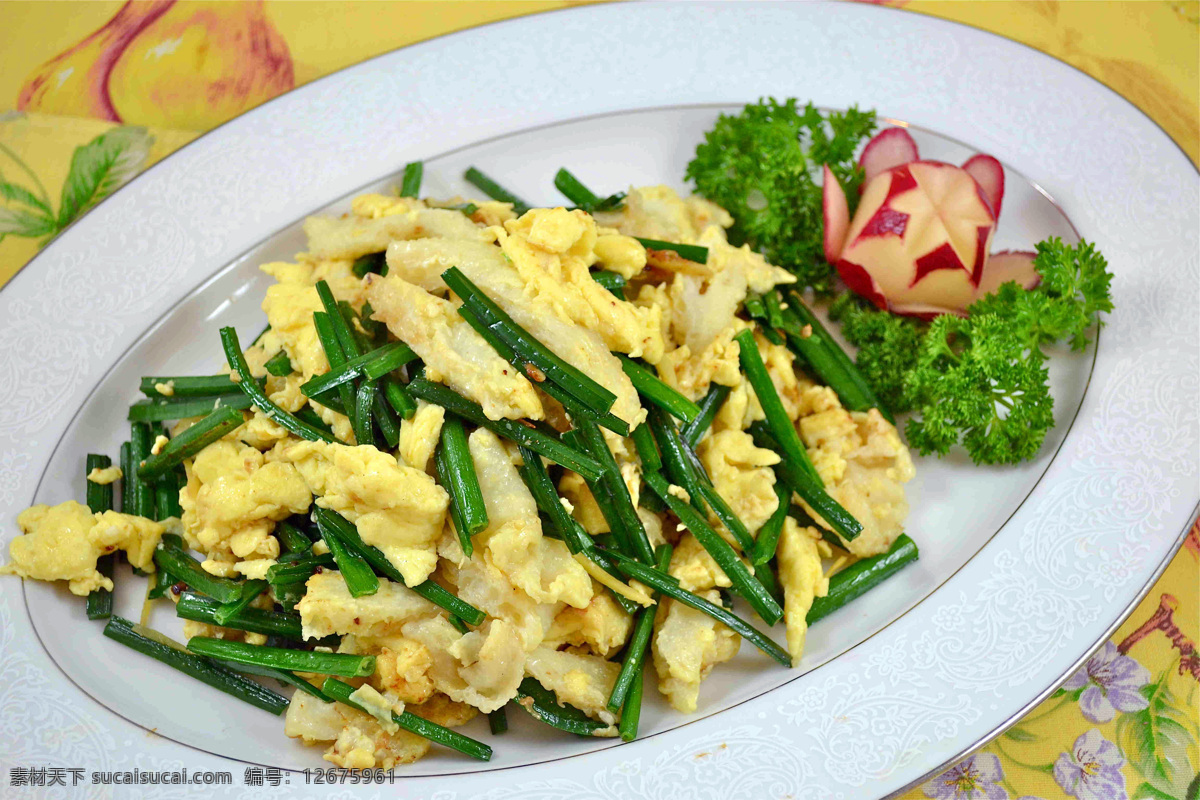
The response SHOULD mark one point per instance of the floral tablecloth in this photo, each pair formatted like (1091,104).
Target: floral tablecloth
(94,92)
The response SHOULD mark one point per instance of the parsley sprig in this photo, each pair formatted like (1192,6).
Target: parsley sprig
(981,380)
(761,165)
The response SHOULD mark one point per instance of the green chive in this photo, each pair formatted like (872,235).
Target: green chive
(343,529)
(162,410)
(250,591)
(187,569)
(710,406)
(410,186)
(204,669)
(613,281)
(370,263)
(256,620)
(537,357)
(768,534)
(494,190)
(99,499)
(356,572)
(862,576)
(187,444)
(691,252)
(410,722)
(670,587)
(653,389)
(188,386)
(279,365)
(233,353)
(344,664)
(573,406)
(542,705)
(141,493)
(635,651)
(742,579)
(372,365)
(535,438)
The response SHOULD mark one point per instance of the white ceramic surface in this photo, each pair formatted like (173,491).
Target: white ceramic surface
(1027,570)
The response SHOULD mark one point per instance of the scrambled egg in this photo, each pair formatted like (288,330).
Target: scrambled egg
(453,352)
(703,303)
(691,374)
(358,740)
(482,668)
(480,583)
(603,627)
(687,644)
(863,463)
(542,568)
(741,473)
(104,475)
(63,542)
(694,567)
(547,617)
(398,509)
(486,266)
(419,435)
(328,608)
(584,681)
(354,236)
(573,488)
(802,578)
(552,250)
(402,665)
(233,497)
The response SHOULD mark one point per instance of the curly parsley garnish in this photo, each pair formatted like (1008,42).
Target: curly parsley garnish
(762,165)
(982,381)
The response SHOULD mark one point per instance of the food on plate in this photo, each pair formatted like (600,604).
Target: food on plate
(487,454)
(912,238)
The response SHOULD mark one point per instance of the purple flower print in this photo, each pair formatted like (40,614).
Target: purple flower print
(1113,682)
(975,778)
(1092,770)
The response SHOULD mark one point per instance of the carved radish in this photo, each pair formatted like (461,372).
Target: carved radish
(919,242)
(988,173)
(837,215)
(887,149)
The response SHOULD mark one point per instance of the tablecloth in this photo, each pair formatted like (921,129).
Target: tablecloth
(95,92)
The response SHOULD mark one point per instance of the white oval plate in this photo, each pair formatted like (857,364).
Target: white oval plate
(1022,571)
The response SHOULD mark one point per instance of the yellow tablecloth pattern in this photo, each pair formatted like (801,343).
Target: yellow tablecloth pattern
(84,81)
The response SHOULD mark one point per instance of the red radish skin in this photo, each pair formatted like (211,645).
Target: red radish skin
(983,238)
(943,257)
(989,174)
(887,149)
(836,212)
(886,221)
(861,283)
(1008,266)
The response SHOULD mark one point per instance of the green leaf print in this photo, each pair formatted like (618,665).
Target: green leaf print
(19,194)
(23,223)
(1019,734)
(1148,792)
(100,167)
(1155,741)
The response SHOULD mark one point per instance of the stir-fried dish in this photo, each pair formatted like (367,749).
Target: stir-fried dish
(486,455)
